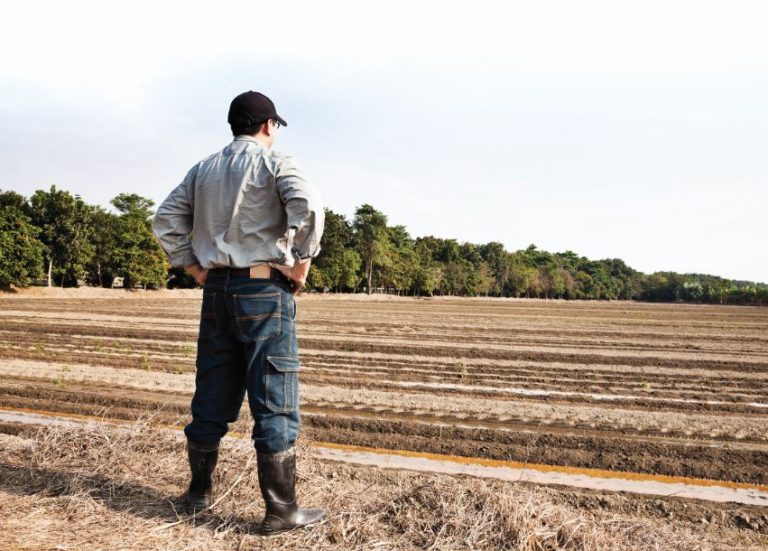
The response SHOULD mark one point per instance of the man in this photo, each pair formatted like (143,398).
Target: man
(255,223)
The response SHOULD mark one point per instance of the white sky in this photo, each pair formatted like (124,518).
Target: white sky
(636,130)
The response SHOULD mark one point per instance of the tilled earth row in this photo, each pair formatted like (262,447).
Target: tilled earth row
(660,389)
(435,431)
(537,377)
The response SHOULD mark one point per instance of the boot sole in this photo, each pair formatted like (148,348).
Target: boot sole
(263,532)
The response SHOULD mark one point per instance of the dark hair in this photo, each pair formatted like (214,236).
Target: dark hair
(249,129)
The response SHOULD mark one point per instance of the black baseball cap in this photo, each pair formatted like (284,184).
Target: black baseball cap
(252,108)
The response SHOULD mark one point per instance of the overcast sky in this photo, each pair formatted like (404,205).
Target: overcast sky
(636,130)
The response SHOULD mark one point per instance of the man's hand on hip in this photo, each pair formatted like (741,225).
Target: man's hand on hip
(297,274)
(198,272)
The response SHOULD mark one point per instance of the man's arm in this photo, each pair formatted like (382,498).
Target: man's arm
(296,273)
(306,217)
(172,224)
(198,272)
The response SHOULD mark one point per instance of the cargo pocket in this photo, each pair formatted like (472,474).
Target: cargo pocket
(281,382)
(258,316)
(209,326)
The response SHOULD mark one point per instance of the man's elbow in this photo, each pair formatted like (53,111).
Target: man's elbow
(155,224)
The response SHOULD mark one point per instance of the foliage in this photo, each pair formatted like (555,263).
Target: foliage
(75,239)
(138,257)
(397,263)
(337,266)
(370,239)
(16,200)
(65,224)
(102,268)
(21,253)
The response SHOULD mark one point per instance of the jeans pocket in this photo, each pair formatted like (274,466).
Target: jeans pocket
(281,381)
(209,325)
(258,316)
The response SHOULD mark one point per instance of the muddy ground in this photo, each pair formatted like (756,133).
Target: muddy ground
(650,388)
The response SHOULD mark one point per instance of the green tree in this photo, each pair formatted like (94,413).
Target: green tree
(460,278)
(16,200)
(585,286)
(497,258)
(21,253)
(426,272)
(520,275)
(65,224)
(554,280)
(718,290)
(138,257)
(449,251)
(397,271)
(343,274)
(133,204)
(370,238)
(337,265)
(471,253)
(102,267)
(485,279)
(349,274)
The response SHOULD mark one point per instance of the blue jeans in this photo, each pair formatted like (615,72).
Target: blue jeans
(247,341)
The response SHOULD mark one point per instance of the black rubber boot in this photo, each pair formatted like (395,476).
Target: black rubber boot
(277,479)
(202,461)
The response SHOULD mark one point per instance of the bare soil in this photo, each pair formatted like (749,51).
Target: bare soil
(651,388)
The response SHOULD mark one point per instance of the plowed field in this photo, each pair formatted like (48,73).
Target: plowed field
(664,389)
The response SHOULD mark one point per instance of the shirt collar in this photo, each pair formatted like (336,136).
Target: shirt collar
(247,138)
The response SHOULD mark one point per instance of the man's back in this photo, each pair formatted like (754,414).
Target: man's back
(251,214)
(243,205)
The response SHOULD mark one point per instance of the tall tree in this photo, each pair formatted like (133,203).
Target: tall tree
(337,265)
(134,205)
(521,276)
(427,273)
(485,280)
(64,221)
(460,278)
(21,253)
(370,237)
(498,263)
(103,266)
(138,258)
(397,272)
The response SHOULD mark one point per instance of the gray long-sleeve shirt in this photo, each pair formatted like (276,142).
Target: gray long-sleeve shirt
(243,205)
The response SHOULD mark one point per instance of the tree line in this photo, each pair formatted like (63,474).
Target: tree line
(57,237)
(368,254)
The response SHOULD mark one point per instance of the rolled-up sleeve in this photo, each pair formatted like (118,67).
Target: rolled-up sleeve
(303,207)
(173,220)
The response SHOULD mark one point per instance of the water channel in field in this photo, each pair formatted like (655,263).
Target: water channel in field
(608,481)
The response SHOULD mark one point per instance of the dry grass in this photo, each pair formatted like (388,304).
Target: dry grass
(96,486)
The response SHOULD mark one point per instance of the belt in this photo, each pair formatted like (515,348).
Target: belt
(261,271)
